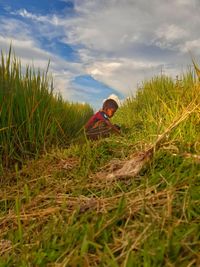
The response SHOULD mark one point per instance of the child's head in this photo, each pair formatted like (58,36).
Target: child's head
(109,107)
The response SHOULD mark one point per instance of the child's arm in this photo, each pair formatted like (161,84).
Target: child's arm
(88,123)
(113,127)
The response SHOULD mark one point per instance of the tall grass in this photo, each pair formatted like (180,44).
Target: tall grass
(32,117)
(157,103)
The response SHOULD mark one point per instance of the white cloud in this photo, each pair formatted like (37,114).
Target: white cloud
(121,74)
(50,19)
(192,45)
(119,42)
(171,33)
(127,41)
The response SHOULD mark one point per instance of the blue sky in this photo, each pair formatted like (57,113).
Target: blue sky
(102,47)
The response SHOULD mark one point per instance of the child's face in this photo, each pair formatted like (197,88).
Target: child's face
(110,112)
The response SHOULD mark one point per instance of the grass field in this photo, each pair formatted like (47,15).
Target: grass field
(68,208)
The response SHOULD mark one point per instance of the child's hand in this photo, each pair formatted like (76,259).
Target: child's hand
(117,126)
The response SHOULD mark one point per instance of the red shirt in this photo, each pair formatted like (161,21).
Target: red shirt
(97,119)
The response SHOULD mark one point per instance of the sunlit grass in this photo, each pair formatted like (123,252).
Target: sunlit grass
(157,103)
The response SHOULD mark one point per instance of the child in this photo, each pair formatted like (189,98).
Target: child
(99,124)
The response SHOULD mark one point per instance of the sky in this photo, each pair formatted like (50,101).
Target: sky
(101,47)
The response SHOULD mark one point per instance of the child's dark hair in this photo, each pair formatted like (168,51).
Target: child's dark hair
(110,103)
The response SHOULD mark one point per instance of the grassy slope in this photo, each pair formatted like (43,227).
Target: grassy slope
(55,216)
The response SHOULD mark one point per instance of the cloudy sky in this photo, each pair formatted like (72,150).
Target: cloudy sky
(102,47)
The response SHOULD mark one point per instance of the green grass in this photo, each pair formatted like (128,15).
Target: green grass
(56,211)
(33,118)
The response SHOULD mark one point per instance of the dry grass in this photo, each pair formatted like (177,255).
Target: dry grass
(158,205)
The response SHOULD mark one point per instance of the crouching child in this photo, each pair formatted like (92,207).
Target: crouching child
(99,124)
